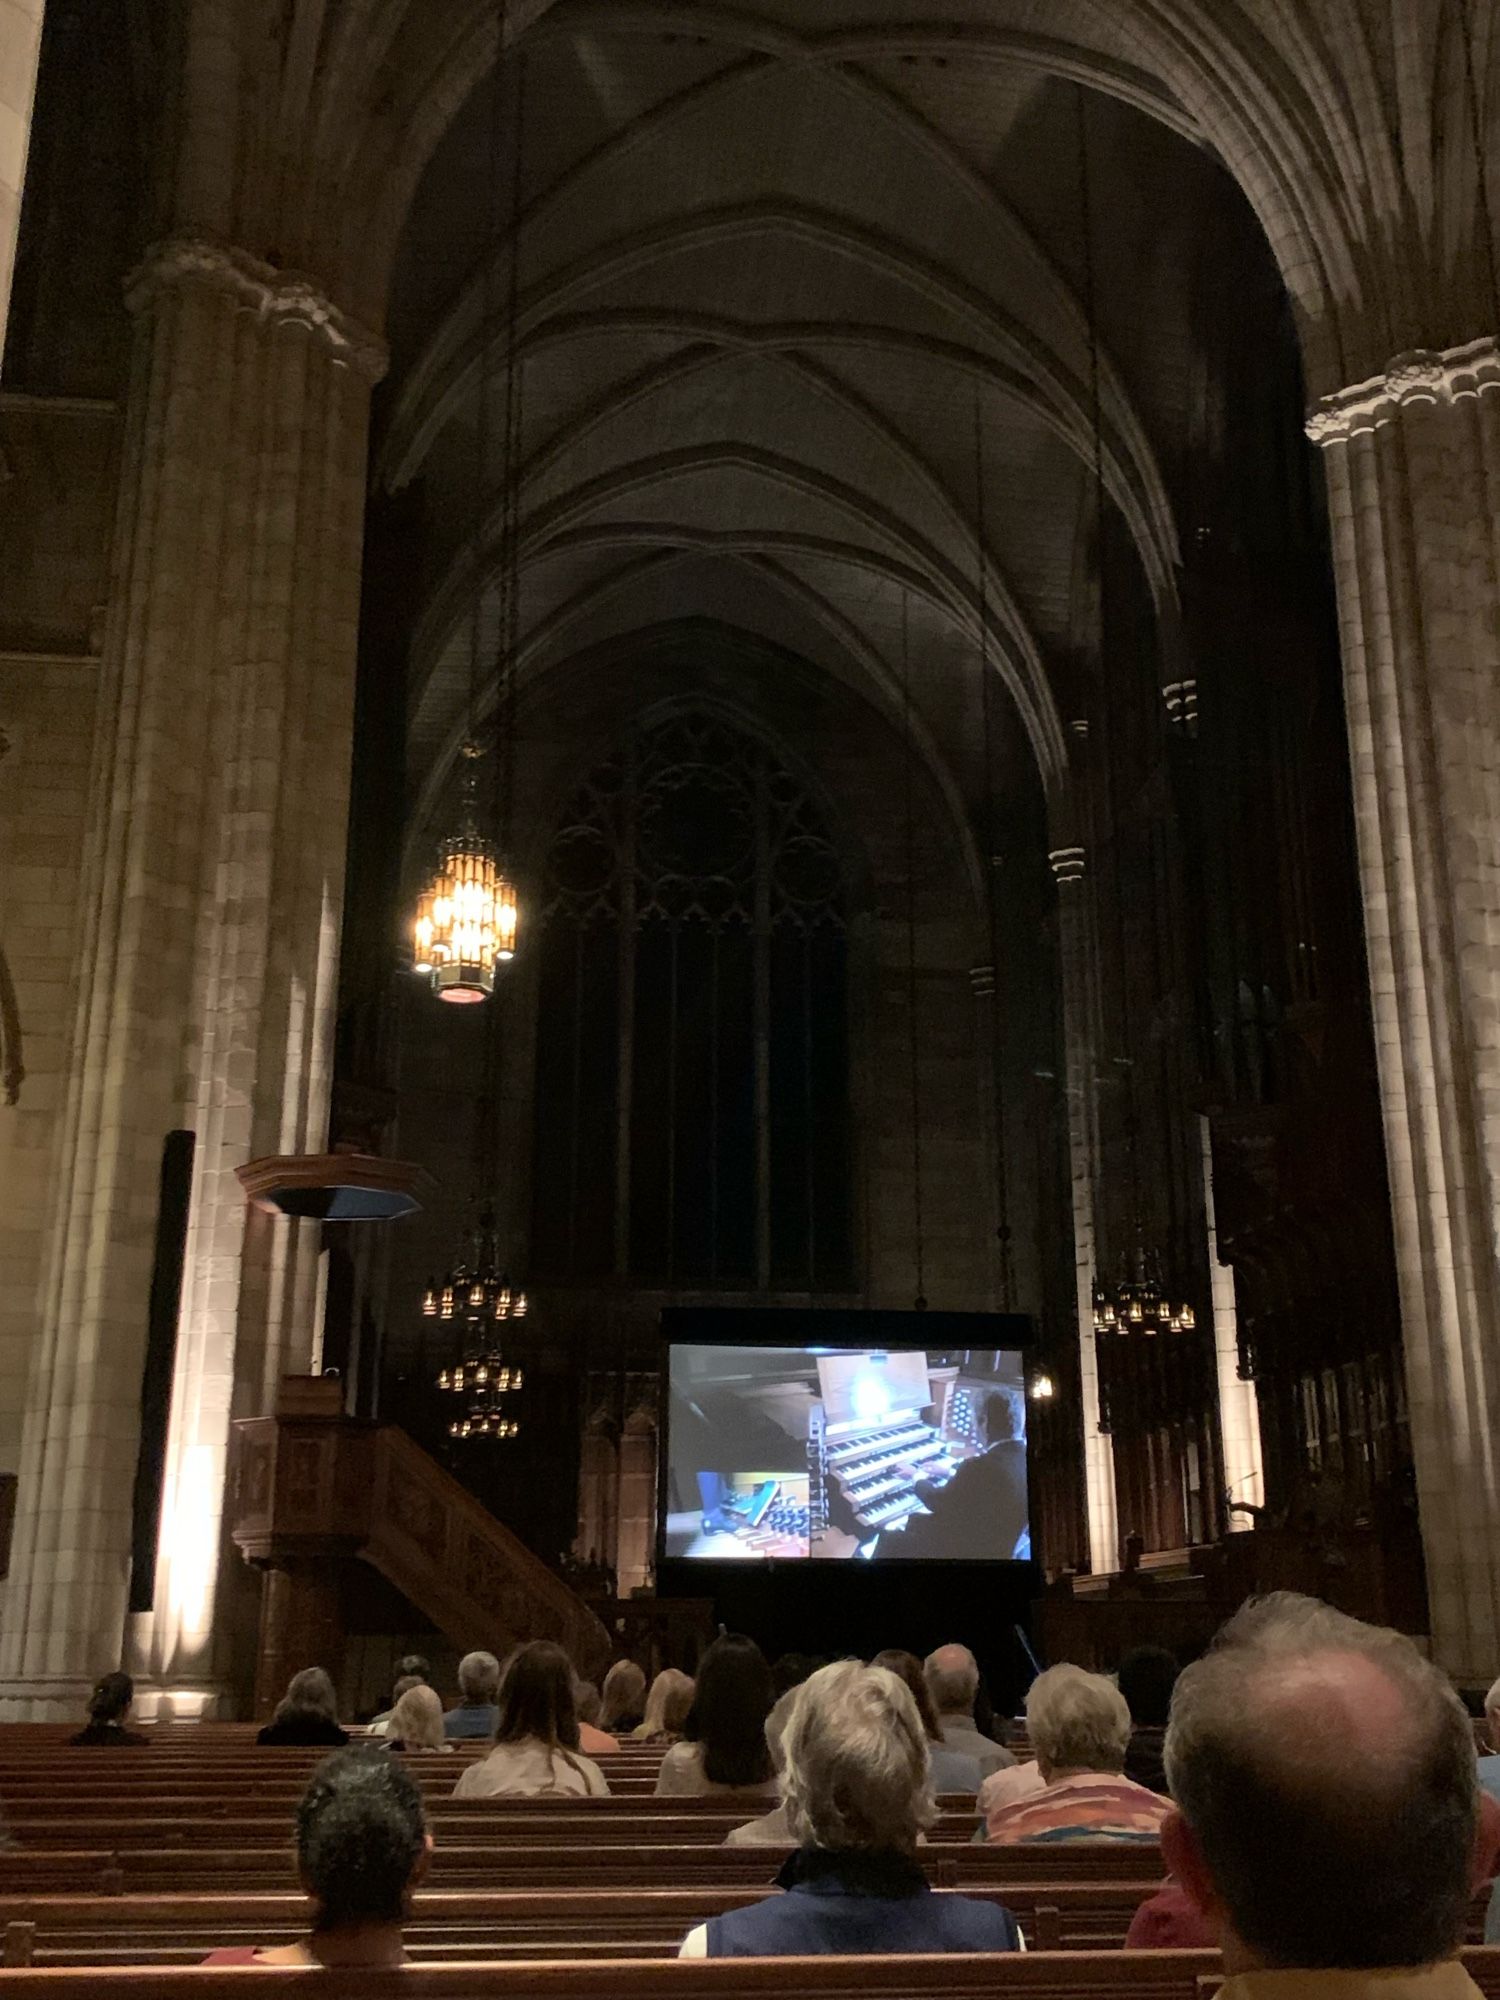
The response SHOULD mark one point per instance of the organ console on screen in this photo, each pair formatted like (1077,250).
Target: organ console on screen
(870,1454)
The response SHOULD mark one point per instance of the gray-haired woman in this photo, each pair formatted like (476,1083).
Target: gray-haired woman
(307,1713)
(857,1787)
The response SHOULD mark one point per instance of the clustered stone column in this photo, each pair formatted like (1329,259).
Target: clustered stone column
(207,962)
(1078,1046)
(1413,465)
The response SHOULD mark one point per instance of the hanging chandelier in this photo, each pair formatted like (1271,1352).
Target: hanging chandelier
(1139,1303)
(468,916)
(479,1297)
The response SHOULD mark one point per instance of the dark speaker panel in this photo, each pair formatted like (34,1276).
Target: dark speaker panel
(161,1355)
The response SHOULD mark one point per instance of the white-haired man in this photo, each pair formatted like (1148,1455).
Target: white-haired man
(1079,1727)
(477,1714)
(952,1675)
(1329,1829)
(856,1784)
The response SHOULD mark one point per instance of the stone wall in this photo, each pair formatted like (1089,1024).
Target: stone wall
(46,727)
(20,39)
(57,459)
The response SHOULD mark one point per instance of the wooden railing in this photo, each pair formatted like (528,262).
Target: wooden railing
(310,1491)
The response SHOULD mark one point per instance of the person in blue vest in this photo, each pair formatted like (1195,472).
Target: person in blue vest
(857,1787)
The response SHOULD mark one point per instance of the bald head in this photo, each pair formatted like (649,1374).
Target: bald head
(952,1674)
(1325,1772)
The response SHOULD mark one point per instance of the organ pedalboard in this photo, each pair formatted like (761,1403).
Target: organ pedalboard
(877,1470)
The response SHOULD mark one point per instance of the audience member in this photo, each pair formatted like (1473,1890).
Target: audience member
(1079,1726)
(624,1698)
(417,1721)
(667,1707)
(307,1714)
(771,1829)
(724,1747)
(109,1706)
(953,1681)
(475,1714)
(952,1770)
(1328,1820)
(587,1705)
(410,1668)
(362,1847)
(1147,1676)
(1489,1767)
(858,1791)
(536,1753)
(789,1671)
(380,1725)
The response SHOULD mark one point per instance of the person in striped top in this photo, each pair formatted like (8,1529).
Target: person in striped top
(1079,1727)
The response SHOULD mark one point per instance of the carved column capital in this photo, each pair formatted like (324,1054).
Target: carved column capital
(277,298)
(1426,375)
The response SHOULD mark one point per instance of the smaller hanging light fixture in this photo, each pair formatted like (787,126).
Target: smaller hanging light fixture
(477,1292)
(1139,1303)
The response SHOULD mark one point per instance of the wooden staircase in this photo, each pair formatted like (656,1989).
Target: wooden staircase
(311,1489)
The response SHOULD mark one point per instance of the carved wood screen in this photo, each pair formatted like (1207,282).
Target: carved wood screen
(692,1103)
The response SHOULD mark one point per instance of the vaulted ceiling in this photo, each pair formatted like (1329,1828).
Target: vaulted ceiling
(773,315)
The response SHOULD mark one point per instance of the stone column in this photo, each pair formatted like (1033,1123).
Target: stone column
(1413,465)
(207,955)
(20,41)
(1083,1153)
(636,1545)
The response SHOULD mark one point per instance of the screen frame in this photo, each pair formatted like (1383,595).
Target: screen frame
(850,1327)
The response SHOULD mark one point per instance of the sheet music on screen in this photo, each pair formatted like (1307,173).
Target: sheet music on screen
(845,1454)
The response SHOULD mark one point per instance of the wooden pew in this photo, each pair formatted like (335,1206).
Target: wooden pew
(997,1976)
(1059,1915)
(526,1865)
(162,1930)
(1186,1975)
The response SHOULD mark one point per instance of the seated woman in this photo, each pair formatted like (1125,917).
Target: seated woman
(362,1847)
(952,1771)
(724,1746)
(857,1787)
(1079,1728)
(536,1752)
(667,1708)
(308,1713)
(109,1705)
(624,1699)
(381,1725)
(587,1701)
(417,1721)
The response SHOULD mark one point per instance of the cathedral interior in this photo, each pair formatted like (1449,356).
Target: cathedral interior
(947,554)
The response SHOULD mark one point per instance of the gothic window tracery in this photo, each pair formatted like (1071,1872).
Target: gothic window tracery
(692,1059)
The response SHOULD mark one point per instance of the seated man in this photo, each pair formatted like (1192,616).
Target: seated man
(981,1510)
(1079,1728)
(1328,1820)
(476,1714)
(953,1682)
(857,1788)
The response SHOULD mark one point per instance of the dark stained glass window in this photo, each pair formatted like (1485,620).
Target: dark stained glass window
(692,1048)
